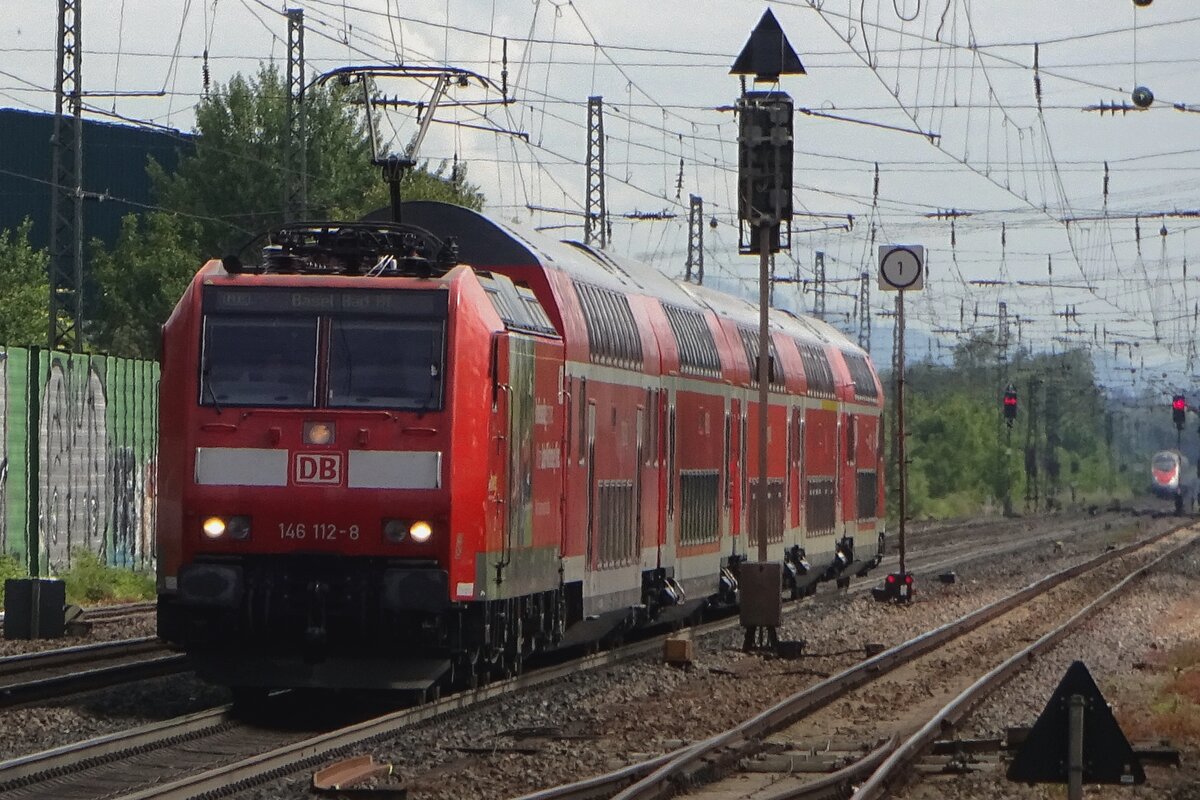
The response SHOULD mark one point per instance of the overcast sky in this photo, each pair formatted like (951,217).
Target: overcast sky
(1075,265)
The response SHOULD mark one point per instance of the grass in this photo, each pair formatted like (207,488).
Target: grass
(90,581)
(1174,711)
(10,567)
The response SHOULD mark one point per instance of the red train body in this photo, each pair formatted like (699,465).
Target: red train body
(392,471)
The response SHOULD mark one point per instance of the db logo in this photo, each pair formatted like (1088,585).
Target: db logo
(317,468)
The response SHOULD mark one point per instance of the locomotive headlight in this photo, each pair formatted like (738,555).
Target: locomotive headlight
(214,527)
(420,531)
(399,530)
(318,433)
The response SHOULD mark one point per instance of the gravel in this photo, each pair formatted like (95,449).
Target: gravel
(602,720)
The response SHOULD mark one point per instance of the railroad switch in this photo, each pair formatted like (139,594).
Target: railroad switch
(897,588)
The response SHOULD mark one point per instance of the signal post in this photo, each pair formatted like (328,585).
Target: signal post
(765,147)
(901,269)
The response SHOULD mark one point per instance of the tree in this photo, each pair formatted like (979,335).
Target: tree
(141,279)
(233,180)
(25,287)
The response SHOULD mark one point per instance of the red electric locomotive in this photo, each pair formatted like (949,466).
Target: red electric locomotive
(398,455)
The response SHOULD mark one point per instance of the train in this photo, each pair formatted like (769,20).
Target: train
(1172,479)
(408,455)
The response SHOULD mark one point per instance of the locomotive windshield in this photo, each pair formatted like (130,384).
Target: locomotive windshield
(330,348)
(259,361)
(385,364)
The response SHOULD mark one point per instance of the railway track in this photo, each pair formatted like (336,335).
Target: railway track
(113,613)
(240,751)
(779,731)
(67,670)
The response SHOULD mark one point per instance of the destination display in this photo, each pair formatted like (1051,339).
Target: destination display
(259,300)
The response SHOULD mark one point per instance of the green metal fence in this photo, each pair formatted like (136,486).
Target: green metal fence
(77,471)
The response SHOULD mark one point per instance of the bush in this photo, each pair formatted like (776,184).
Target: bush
(90,581)
(10,567)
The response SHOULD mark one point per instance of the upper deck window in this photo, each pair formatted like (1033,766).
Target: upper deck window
(697,350)
(305,348)
(613,336)
(860,373)
(817,369)
(774,368)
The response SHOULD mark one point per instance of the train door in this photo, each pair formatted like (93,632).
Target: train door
(850,477)
(838,469)
(672,469)
(734,487)
(743,475)
(591,483)
(519,494)
(639,469)
(798,484)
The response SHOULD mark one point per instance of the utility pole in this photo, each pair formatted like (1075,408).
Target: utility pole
(1003,379)
(66,193)
(595,221)
(765,152)
(1052,418)
(295,149)
(1031,458)
(695,253)
(864,312)
(819,285)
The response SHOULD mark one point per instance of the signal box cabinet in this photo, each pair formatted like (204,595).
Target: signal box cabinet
(33,608)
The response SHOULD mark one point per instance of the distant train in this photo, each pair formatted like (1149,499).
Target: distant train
(397,455)
(1172,479)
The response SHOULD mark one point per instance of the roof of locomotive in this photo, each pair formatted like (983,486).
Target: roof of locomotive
(486,243)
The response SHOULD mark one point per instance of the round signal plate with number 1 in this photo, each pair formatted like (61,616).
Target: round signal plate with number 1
(901,268)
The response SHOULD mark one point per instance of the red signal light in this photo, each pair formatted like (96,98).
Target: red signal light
(891,578)
(1178,403)
(908,579)
(1010,400)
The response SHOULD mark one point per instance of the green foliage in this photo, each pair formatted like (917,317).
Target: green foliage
(141,279)
(964,460)
(234,180)
(90,581)
(25,287)
(10,567)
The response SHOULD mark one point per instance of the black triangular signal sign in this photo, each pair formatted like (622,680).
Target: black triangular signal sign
(768,53)
(1107,756)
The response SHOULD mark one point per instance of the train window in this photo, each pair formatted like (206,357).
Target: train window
(860,373)
(866,494)
(537,314)
(699,492)
(250,361)
(613,336)
(821,512)
(817,369)
(774,369)
(378,363)
(697,350)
